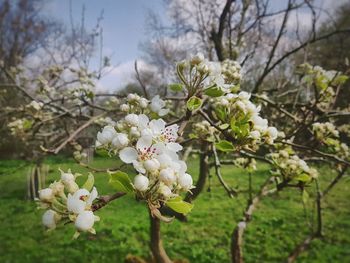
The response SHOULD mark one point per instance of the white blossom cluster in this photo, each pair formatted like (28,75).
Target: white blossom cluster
(231,71)
(290,167)
(239,110)
(35,105)
(151,147)
(324,130)
(324,81)
(66,202)
(18,127)
(225,75)
(203,130)
(328,134)
(135,103)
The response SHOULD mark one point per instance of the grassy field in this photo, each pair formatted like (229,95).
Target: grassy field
(278,224)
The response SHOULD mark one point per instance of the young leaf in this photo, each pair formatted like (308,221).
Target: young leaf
(194,103)
(213,92)
(224,146)
(302,178)
(102,152)
(89,183)
(120,181)
(176,87)
(178,205)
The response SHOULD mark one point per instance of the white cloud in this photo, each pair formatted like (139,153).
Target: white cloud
(117,77)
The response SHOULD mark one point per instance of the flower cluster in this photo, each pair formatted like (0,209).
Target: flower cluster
(324,81)
(246,163)
(291,168)
(135,103)
(203,130)
(66,202)
(225,76)
(243,119)
(151,147)
(18,127)
(328,134)
(324,130)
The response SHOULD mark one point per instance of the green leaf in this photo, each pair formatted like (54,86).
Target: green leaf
(194,103)
(176,87)
(193,136)
(221,113)
(224,146)
(302,178)
(102,152)
(89,183)
(27,124)
(120,181)
(214,92)
(178,205)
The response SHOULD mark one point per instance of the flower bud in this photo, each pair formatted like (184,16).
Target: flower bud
(272,132)
(165,190)
(151,165)
(107,135)
(46,195)
(67,177)
(167,176)
(197,59)
(57,188)
(185,181)
(124,107)
(143,103)
(131,97)
(71,186)
(134,132)
(85,221)
(255,135)
(132,119)
(120,141)
(141,182)
(50,218)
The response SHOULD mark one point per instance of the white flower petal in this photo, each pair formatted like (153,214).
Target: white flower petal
(144,143)
(173,146)
(128,155)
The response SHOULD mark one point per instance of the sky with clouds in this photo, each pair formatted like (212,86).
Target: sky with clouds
(124,28)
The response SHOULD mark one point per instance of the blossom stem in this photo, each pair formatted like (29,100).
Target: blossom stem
(104,200)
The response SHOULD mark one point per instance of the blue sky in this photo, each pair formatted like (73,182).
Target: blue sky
(123,22)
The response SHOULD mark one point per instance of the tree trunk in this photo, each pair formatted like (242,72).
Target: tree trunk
(159,254)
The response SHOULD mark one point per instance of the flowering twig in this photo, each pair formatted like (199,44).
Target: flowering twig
(230,191)
(105,199)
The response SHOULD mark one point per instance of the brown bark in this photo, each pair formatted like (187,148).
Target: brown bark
(237,234)
(158,251)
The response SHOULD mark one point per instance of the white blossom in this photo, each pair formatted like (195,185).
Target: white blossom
(167,176)
(85,221)
(120,141)
(81,200)
(157,106)
(185,181)
(106,136)
(141,182)
(46,195)
(50,218)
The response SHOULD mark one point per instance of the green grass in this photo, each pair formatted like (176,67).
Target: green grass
(278,224)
